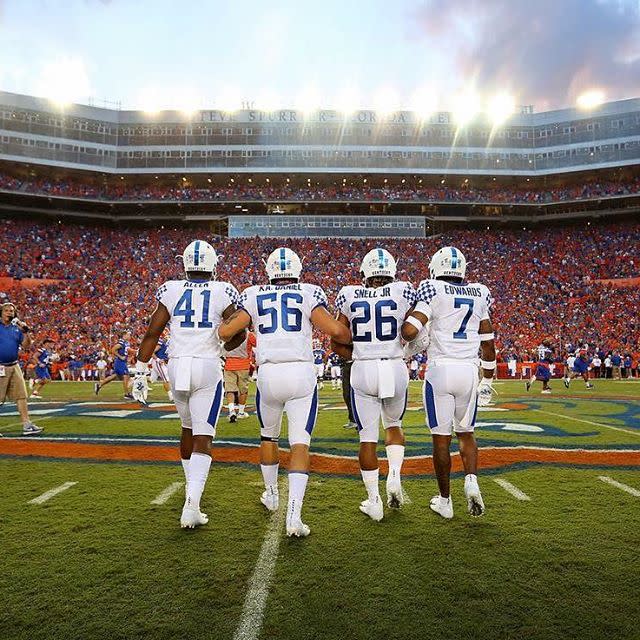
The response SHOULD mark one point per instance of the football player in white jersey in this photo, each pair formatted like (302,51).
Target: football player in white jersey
(283,314)
(375,311)
(459,327)
(193,308)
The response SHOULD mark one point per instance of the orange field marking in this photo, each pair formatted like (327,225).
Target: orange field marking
(490,457)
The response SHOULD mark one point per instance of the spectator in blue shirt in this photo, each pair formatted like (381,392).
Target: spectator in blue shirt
(616,363)
(14,334)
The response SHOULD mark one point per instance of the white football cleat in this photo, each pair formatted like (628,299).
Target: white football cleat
(546,391)
(297,529)
(373,509)
(270,499)
(192,517)
(395,497)
(475,504)
(442,506)
(243,415)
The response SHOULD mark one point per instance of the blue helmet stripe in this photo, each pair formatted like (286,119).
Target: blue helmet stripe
(283,259)
(454,258)
(196,254)
(381,258)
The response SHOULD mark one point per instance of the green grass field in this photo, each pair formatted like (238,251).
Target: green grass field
(100,561)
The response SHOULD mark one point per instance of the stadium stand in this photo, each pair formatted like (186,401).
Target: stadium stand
(596,189)
(98,281)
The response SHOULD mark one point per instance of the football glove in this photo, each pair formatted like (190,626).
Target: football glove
(418,344)
(485,392)
(140,387)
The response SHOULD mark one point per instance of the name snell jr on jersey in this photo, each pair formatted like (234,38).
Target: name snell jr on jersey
(383,292)
(462,290)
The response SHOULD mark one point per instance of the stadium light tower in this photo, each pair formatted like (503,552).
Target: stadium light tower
(500,108)
(590,99)
(466,107)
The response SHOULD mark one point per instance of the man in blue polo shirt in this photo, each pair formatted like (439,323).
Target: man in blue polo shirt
(13,335)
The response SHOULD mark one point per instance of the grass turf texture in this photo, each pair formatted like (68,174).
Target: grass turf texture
(100,561)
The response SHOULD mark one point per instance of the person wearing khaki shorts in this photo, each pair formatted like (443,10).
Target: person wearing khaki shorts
(13,336)
(236,377)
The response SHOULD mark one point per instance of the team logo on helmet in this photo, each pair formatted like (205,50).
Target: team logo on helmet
(448,261)
(200,256)
(378,263)
(283,263)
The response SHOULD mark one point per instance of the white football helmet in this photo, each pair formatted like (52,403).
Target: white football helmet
(200,256)
(449,261)
(283,263)
(378,263)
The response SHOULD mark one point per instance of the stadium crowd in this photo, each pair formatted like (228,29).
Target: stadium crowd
(441,193)
(545,282)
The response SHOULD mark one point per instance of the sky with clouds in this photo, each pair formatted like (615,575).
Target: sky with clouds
(209,53)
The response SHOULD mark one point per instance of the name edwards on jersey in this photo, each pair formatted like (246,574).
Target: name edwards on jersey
(463,290)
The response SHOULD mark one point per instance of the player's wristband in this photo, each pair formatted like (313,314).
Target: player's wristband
(415,322)
(488,364)
(141,367)
(484,337)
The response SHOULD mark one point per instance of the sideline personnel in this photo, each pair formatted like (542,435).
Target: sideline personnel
(14,334)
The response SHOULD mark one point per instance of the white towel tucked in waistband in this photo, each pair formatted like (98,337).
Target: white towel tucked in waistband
(386,381)
(183,373)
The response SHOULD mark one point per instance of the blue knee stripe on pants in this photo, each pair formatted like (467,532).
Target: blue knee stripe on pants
(430,405)
(216,405)
(258,408)
(475,413)
(313,413)
(355,410)
(406,399)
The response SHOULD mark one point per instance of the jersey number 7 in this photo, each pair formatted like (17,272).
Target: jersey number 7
(458,303)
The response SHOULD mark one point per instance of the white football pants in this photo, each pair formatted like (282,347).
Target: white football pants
(198,408)
(450,397)
(289,387)
(370,381)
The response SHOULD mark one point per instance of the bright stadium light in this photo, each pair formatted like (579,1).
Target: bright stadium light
(64,80)
(590,99)
(149,100)
(386,101)
(188,103)
(424,103)
(500,108)
(347,102)
(308,101)
(466,107)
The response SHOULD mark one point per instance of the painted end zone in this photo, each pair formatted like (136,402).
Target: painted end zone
(490,457)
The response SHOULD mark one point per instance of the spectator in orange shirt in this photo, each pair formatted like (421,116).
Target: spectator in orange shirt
(236,377)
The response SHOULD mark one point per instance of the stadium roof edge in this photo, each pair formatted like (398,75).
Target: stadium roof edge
(123,116)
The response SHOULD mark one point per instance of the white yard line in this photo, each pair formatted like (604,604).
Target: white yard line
(163,496)
(595,424)
(619,485)
(512,489)
(260,581)
(52,492)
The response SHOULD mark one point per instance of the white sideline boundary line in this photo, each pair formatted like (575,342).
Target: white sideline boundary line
(52,492)
(165,494)
(260,581)
(19,424)
(595,424)
(512,489)
(619,485)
